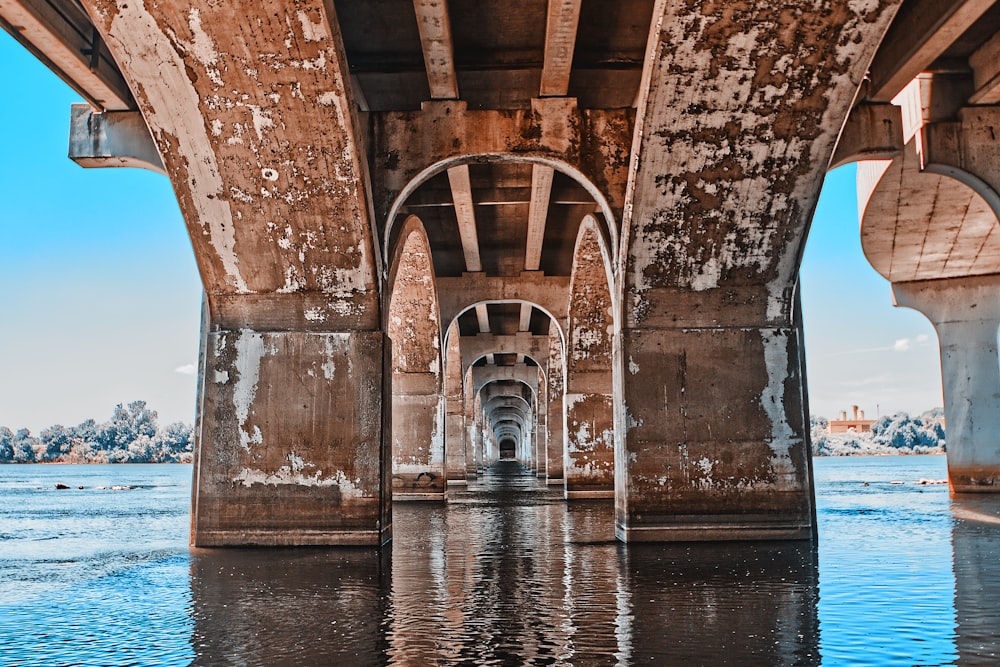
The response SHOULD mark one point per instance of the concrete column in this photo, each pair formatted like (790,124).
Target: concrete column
(418,471)
(588,466)
(554,417)
(715,419)
(541,431)
(282,458)
(454,430)
(966,313)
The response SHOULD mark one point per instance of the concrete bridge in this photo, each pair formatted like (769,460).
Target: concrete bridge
(432,234)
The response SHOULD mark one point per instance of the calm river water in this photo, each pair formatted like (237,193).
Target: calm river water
(505,574)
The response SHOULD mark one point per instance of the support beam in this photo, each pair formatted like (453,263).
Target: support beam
(550,293)
(67,43)
(111,139)
(525,320)
(922,32)
(483,316)
(872,132)
(985,62)
(560,40)
(538,211)
(436,43)
(522,344)
(465,212)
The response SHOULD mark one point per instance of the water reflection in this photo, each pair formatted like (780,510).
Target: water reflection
(288,606)
(976,562)
(506,573)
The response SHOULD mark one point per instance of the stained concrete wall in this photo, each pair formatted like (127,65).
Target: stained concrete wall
(588,403)
(737,117)
(418,400)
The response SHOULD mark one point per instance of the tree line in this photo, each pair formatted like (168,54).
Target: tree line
(895,434)
(132,435)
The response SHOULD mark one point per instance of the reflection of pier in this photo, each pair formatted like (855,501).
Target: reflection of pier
(976,563)
(508,572)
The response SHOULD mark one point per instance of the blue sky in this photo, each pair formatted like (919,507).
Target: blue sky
(100,297)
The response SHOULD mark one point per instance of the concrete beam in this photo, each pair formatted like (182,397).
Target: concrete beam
(550,293)
(465,212)
(111,139)
(985,62)
(593,143)
(524,321)
(436,43)
(560,41)
(483,318)
(921,32)
(61,35)
(538,211)
(872,132)
(526,344)
(483,375)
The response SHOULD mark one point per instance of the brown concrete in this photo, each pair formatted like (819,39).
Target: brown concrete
(589,454)
(455,431)
(281,457)
(697,155)
(555,412)
(418,400)
(715,424)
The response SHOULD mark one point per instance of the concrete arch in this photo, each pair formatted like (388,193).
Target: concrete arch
(922,223)
(418,400)
(559,324)
(562,166)
(589,449)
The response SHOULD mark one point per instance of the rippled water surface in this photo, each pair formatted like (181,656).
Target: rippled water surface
(505,573)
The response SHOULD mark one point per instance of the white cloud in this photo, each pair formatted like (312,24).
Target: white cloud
(923,338)
(901,345)
(186,369)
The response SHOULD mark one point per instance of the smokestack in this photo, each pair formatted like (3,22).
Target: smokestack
(855,409)
(862,415)
(843,415)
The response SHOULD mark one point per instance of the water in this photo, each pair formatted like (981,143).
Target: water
(505,574)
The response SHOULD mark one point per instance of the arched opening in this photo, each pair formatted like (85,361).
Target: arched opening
(418,402)
(508,448)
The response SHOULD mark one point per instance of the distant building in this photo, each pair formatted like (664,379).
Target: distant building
(857,423)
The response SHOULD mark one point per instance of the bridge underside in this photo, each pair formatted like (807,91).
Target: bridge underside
(433,235)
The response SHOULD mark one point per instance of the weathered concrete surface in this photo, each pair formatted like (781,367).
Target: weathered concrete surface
(919,226)
(261,145)
(738,114)
(418,400)
(589,465)
(555,417)
(966,314)
(591,143)
(281,457)
(455,435)
(930,226)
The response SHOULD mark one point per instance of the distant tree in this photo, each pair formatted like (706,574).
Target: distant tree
(6,444)
(901,432)
(56,442)
(126,424)
(173,442)
(24,445)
